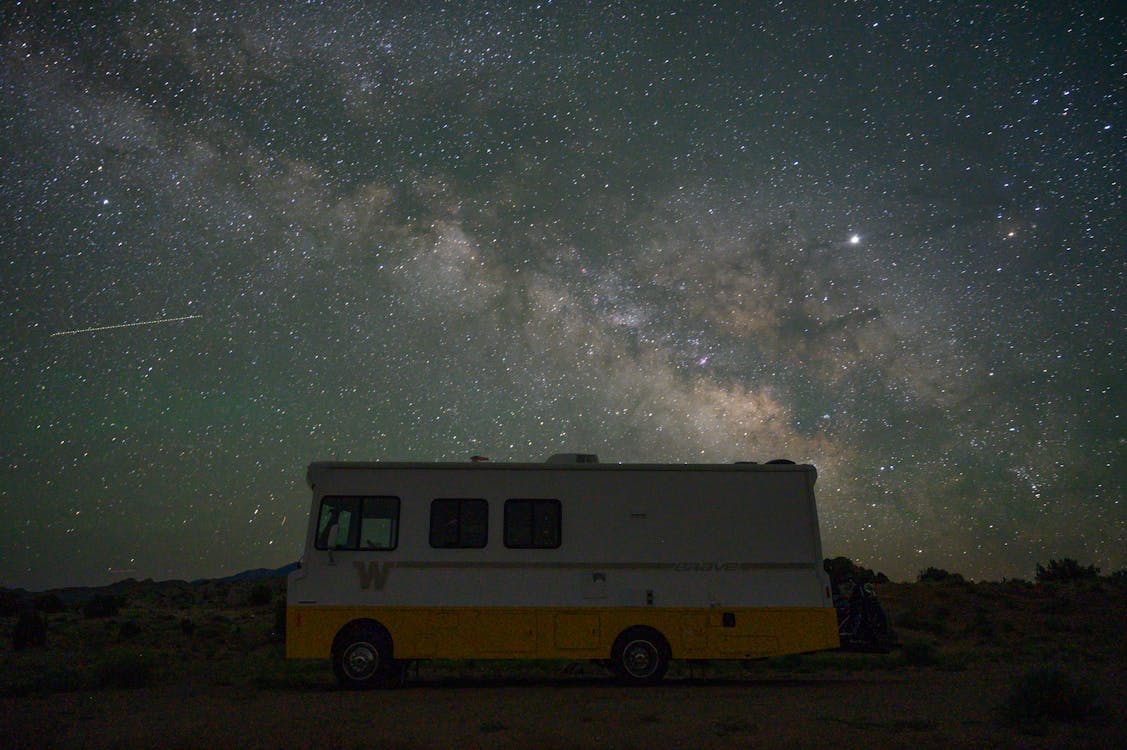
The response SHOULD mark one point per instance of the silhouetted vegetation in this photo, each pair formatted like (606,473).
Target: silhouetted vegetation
(489,727)
(280,618)
(10,602)
(260,595)
(49,603)
(126,669)
(30,631)
(919,654)
(128,630)
(842,569)
(1048,694)
(938,575)
(102,605)
(911,619)
(1066,570)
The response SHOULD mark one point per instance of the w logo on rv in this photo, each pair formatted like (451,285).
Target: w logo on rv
(373,575)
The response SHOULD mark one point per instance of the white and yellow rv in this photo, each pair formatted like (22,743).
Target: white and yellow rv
(630,564)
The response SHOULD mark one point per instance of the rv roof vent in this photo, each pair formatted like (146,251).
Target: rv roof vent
(573,458)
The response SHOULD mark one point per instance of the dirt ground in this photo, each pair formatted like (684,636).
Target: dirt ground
(921,708)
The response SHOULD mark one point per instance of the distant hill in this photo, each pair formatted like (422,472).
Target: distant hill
(72,594)
(256,574)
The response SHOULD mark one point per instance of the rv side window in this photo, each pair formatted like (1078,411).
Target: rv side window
(457,522)
(532,524)
(351,522)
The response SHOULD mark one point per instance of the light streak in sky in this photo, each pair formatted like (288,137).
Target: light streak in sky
(124,325)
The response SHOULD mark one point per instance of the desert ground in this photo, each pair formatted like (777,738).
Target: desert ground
(179,665)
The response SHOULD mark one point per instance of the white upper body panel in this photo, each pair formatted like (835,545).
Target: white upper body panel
(666,535)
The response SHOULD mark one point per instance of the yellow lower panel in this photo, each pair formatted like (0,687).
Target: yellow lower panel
(567,633)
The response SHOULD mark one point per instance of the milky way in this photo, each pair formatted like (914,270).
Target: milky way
(885,239)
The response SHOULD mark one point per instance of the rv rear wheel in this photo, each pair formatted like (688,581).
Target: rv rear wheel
(640,655)
(362,656)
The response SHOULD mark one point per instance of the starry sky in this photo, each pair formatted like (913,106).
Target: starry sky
(885,238)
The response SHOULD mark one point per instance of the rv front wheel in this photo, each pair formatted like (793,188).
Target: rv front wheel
(362,656)
(641,655)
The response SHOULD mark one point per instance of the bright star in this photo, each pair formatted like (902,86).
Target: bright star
(855,239)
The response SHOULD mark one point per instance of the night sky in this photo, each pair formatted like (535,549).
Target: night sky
(885,238)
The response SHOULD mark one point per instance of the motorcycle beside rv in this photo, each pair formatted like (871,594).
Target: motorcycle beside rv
(863,624)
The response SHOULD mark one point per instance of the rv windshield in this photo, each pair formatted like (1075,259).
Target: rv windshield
(353,522)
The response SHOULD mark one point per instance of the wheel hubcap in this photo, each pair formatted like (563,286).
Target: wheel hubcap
(361,660)
(639,658)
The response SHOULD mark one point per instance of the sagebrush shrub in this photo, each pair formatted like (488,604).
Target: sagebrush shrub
(260,595)
(1066,570)
(127,669)
(280,618)
(49,603)
(1049,693)
(102,605)
(30,631)
(10,602)
(938,575)
(919,654)
(129,630)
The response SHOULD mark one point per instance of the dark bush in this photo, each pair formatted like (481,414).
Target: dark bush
(187,626)
(983,625)
(280,618)
(126,669)
(10,602)
(911,619)
(260,595)
(842,569)
(938,575)
(102,605)
(49,603)
(30,631)
(1049,694)
(1066,570)
(216,631)
(129,630)
(919,654)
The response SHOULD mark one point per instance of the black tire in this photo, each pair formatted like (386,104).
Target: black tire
(362,656)
(640,656)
